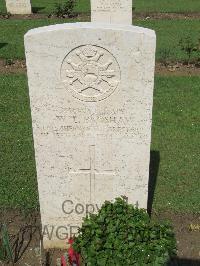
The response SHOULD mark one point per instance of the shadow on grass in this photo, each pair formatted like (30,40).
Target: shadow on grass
(35,9)
(3,44)
(153,173)
(183,262)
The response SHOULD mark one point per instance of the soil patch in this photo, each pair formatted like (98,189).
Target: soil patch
(12,66)
(178,69)
(86,16)
(25,17)
(153,15)
(24,231)
(187,231)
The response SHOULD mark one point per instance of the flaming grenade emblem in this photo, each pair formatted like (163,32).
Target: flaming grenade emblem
(91,73)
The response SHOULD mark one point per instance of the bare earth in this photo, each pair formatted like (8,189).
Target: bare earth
(24,231)
(178,69)
(86,16)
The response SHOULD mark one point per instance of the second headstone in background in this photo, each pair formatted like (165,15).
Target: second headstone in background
(18,7)
(112,11)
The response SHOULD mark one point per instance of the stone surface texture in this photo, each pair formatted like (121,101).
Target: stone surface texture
(111,11)
(21,7)
(91,93)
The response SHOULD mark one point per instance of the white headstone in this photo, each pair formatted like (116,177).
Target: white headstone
(91,92)
(112,11)
(20,7)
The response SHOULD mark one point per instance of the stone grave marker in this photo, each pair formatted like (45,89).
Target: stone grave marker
(91,95)
(112,11)
(18,7)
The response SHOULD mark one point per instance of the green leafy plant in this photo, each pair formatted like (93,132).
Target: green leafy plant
(66,9)
(121,234)
(5,246)
(189,46)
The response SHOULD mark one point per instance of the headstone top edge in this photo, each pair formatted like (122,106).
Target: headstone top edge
(90,25)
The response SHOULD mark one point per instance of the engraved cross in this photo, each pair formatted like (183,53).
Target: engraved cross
(92,171)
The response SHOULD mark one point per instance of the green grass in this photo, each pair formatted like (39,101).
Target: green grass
(17,175)
(166,5)
(176,128)
(169,32)
(12,35)
(47,6)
